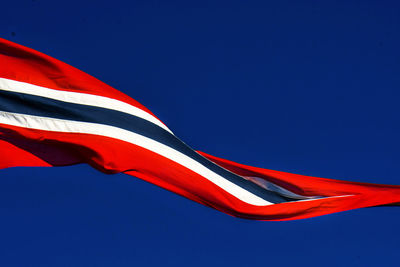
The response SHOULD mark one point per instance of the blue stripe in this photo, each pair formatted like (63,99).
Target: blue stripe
(46,107)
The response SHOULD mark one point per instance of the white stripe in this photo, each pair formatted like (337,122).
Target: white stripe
(284,192)
(78,98)
(67,126)
(276,188)
(312,199)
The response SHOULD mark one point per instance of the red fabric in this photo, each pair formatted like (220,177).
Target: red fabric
(24,64)
(44,148)
(27,147)
(13,156)
(341,195)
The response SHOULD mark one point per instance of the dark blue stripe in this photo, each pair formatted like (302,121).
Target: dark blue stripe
(46,107)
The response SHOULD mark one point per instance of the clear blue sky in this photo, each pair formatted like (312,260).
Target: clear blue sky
(298,86)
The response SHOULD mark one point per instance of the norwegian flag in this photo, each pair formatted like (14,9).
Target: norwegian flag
(52,114)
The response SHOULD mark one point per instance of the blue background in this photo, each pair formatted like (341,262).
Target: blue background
(298,86)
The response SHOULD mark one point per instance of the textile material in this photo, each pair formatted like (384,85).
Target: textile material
(52,114)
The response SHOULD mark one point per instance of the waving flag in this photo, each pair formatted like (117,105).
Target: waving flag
(52,114)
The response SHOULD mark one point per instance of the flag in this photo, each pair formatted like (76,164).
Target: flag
(52,114)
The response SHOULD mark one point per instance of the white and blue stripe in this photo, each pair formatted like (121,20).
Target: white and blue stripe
(35,107)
